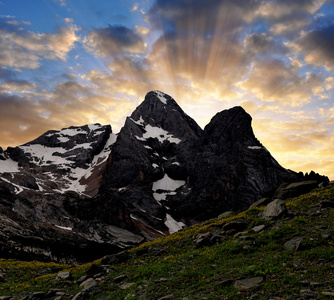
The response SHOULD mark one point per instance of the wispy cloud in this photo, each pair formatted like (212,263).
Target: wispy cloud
(25,49)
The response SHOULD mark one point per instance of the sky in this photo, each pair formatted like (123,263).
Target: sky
(76,62)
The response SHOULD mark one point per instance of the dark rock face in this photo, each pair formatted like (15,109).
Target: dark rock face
(26,240)
(160,173)
(151,160)
(233,169)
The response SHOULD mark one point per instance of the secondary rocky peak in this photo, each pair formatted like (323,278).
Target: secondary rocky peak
(68,160)
(231,124)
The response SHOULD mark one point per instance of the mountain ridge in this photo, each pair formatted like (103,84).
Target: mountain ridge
(160,173)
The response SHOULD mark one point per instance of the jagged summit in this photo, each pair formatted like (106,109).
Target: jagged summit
(159,110)
(233,123)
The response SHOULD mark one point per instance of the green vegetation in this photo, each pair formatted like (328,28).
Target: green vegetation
(175,265)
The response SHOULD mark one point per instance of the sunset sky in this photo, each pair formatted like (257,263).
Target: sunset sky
(76,62)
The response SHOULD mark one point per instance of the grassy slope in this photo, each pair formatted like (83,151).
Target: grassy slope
(173,265)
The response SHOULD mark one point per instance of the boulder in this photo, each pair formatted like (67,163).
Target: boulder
(258,228)
(274,209)
(87,282)
(261,202)
(248,284)
(64,276)
(294,243)
(126,285)
(89,287)
(120,278)
(203,239)
(238,225)
(289,190)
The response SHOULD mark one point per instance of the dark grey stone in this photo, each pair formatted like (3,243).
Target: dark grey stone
(64,276)
(258,228)
(237,225)
(274,209)
(120,278)
(294,243)
(248,284)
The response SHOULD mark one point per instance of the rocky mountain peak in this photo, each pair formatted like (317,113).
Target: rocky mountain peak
(159,110)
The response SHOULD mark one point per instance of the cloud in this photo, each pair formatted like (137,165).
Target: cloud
(134,7)
(299,140)
(30,114)
(22,49)
(113,41)
(142,30)
(281,83)
(289,17)
(21,116)
(317,46)
(17,86)
(201,16)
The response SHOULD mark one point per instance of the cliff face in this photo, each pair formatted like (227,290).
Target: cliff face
(160,173)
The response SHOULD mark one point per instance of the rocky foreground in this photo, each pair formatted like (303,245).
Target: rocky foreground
(280,248)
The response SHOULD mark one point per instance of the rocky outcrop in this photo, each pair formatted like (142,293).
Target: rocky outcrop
(288,190)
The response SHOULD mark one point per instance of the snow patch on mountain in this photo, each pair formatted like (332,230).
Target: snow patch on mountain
(173,225)
(167,184)
(161,96)
(45,156)
(158,133)
(9,165)
(102,157)
(63,227)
